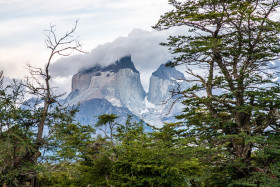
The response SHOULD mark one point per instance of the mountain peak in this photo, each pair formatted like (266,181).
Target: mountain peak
(123,63)
(164,72)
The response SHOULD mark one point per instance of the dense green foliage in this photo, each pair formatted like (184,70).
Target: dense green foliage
(39,128)
(136,157)
(19,155)
(232,108)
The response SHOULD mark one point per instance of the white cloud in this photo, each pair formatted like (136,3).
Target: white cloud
(143,46)
(101,21)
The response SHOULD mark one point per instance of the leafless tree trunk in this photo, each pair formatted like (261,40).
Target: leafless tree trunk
(63,46)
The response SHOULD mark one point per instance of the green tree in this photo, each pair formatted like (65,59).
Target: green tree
(159,157)
(17,150)
(29,128)
(107,124)
(232,107)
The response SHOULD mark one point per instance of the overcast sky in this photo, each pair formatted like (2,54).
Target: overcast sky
(108,29)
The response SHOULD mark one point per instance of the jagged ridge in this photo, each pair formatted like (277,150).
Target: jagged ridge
(164,72)
(117,89)
(123,63)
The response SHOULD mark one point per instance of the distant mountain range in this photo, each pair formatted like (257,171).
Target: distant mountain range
(117,89)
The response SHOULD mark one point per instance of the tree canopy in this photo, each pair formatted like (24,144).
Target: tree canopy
(31,127)
(232,106)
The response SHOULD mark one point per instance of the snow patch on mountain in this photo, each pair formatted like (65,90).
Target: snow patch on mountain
(148,104)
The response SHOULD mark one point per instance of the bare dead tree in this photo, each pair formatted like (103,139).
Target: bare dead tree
(23,148)
(59,46)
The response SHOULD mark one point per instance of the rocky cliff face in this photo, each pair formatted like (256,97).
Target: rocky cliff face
(161,106)
(82,80)
(117,89)
(162,82)
(118,83)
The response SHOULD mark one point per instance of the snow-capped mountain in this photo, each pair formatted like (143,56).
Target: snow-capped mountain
(117,89)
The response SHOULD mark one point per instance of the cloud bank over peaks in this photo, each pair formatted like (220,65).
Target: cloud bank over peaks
(143,46)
